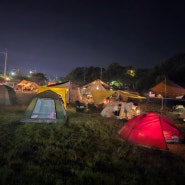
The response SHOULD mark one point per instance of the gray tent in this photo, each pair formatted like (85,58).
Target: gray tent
(7,95)
(73,93)
(46,107)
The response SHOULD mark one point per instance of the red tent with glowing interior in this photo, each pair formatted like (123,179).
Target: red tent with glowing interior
(151,129)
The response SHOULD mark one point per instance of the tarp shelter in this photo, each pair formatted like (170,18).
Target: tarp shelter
(100,96)
(60,91)
(7,95)
(73,93)
(45,107)
(151,129)
(131,95)
(168,89)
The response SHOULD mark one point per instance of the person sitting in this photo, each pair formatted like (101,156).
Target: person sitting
(117,109)
(130,110)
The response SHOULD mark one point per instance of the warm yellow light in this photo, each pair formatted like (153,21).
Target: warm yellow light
(131,72)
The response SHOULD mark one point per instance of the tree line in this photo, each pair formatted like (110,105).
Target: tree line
(127,77)
(122,77)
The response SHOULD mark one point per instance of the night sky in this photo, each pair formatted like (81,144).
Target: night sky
(54,37)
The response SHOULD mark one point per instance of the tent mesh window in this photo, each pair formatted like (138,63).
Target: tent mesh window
(45,108)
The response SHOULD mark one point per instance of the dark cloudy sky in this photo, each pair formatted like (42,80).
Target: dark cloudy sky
(54,37)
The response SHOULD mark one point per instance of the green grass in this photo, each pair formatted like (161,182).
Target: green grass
(85,151)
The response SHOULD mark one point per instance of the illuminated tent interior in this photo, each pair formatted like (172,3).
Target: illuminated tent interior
(152,130)
(45,107)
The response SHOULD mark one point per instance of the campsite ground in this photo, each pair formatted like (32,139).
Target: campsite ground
(86,150)
(23,98)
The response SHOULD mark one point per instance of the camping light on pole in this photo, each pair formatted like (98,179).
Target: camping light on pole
(164,95)
(101,73)
(5,63)
(165,90)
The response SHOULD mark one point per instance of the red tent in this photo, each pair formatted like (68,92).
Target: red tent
(151,129)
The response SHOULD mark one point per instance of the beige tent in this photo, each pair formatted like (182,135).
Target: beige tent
(96,85)
(73,93)
(7,95)
(98,91)
(89,89)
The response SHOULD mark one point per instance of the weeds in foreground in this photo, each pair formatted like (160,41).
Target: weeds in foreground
(86,150)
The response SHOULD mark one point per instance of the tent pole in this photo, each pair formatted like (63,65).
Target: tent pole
(165,90)
(5,64)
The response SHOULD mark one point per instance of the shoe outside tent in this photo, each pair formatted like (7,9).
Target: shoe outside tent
(152,130)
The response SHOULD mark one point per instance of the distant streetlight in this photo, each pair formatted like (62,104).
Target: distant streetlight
(5,63)
(12,73)
(32,71)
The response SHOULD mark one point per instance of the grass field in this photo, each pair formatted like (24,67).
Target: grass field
(85,151)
